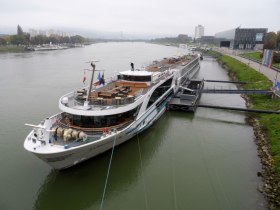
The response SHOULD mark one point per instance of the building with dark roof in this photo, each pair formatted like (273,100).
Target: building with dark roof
(242,38)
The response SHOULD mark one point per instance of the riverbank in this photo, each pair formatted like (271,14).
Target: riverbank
(266,126)
(12,49)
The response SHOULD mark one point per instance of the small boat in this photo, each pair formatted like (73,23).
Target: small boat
(103,115)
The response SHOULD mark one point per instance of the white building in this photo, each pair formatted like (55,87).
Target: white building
(199,31)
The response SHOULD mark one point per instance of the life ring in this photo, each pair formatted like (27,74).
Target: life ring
(105,130)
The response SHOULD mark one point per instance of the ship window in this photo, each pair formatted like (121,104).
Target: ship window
(77,120)
(103,121)
(159,91)
(135,78)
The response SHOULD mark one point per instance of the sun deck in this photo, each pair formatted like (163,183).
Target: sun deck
(169,63)
(112,95)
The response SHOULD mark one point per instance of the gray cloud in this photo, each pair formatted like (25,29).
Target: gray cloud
(141,16)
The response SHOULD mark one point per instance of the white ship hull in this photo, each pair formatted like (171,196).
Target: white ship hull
(75,155)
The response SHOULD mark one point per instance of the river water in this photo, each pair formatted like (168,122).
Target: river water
(206,160)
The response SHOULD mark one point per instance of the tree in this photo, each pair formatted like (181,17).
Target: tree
(278,40)
(3,41)
(27,37)
(77,39)
(40,39)
(8,39)
(19,30)
(53,39)
(270,41)
(65,39)
(19,40)
(182,38)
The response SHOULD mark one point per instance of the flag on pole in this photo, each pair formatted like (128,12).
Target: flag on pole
(267,58)
(99,78)
(84,79)
(102,81)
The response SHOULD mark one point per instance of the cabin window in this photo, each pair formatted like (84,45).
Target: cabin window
(159,91)
(76,120)
(135,78)
(103,121)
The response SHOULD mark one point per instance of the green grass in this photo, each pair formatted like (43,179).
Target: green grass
(253,55)
(256,56)
(213,53)
(269,122)
(277,65)
(4,49)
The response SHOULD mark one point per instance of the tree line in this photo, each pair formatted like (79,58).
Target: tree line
(182,38)
(23,38)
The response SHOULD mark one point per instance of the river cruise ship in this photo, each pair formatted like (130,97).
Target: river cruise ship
(95,119)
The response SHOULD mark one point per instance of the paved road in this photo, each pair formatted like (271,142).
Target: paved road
(271,74)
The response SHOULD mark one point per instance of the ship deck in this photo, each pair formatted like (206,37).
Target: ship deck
(116,93)
(121,92)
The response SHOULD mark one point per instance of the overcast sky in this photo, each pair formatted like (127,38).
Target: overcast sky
(153,17)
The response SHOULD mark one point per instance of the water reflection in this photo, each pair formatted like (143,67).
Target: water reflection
(223,121)
(81,187)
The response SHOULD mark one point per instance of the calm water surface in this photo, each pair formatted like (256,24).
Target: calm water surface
(206,160)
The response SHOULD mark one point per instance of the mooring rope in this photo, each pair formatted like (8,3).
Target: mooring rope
(142,174)
(172,173)
(108,172)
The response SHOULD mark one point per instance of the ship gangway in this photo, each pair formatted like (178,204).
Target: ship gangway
(187,99)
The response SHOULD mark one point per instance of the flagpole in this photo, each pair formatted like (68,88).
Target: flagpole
(91,81)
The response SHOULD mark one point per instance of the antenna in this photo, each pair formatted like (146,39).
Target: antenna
(92,63)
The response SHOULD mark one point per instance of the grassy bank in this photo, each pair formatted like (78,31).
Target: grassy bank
(253,55)
(4,49)
(270,123)
(213,53)
(257,56)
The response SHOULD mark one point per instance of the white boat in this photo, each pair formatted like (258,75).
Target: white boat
(49,47)
(94,119)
